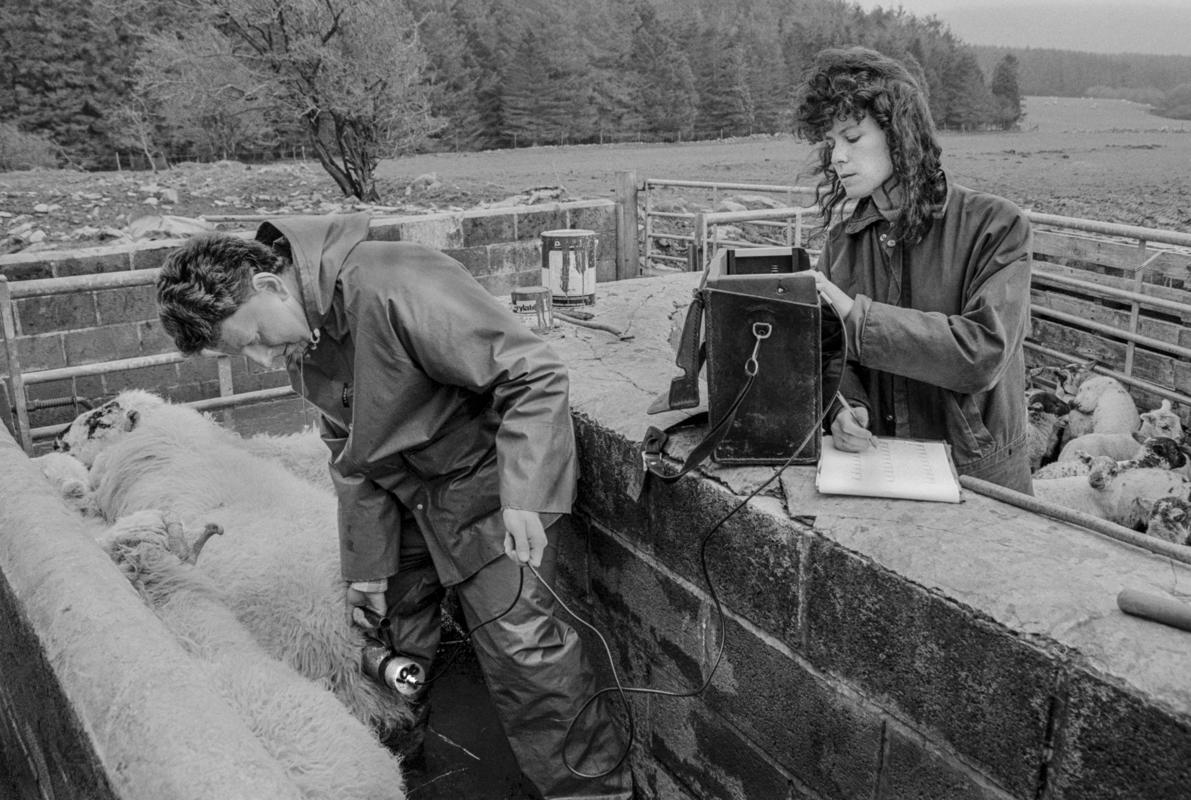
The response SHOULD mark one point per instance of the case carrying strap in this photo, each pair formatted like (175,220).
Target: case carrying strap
(684,390)
(654,443)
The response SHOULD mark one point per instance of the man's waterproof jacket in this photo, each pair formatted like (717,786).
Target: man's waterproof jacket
(935,338)
(433,397)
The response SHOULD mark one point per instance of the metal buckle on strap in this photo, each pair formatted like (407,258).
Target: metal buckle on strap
(761,330)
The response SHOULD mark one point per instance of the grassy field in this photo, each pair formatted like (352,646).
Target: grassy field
(1102,159)
(1106,160)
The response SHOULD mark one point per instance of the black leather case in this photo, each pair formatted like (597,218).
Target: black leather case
(785,401)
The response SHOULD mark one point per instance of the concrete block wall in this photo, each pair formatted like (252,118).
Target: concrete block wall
(873,649)
(841,678)
(500,246)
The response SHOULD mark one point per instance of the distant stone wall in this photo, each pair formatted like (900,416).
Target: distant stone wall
(500,246)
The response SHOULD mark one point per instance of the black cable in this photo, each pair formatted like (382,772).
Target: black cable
(454,656)
(621,690)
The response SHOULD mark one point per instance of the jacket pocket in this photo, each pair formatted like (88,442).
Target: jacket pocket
(970,437)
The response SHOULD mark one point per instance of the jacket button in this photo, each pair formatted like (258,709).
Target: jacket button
(418,506)
(889,418)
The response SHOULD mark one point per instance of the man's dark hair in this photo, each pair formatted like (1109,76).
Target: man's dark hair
(844,84)
(204,281)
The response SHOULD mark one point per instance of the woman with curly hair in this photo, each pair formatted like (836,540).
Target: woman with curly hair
(931,279)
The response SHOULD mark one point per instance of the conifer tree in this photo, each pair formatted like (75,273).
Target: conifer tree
(1005,92)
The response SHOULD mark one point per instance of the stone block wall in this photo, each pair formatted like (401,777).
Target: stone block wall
(500,246)
(841,677)
(872,649)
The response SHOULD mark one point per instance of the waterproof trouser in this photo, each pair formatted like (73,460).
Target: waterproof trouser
(534,665)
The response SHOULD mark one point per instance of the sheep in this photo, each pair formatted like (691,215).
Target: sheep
(1159,422)
(326,752)
(1123,497)
(93,430)
(1080,465)
(1170,519)
(277,565)
(1156,451)
(1101,405)
(1069,377)
(1046,421)
(1161,452)
(302,453)
(70,479)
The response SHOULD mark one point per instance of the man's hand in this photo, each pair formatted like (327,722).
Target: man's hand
(525,538)
(356,598)
(849,430)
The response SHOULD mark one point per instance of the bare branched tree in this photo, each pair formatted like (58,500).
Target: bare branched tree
(349,70)
(132,124)
(203,96)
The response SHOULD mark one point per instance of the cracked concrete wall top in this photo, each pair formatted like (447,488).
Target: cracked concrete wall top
(963,620)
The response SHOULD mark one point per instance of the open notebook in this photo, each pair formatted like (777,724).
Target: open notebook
(909,469)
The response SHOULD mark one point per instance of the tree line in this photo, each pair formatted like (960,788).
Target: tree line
(354,81)
(1072,73)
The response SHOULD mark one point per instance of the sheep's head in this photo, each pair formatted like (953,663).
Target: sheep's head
(1161,421)
(1170,519)
(1046,403)
(1070,377)
(1102,469)
(1162,452)
(94,430)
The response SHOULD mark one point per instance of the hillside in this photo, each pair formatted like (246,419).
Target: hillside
(1104,160)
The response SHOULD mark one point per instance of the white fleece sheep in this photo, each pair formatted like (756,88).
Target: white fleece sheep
(1101,405)
(70,478)
(94,430)
(303,453)
(1125,498)
(1080,465)
(277,565)
(1161,421)
(325,751)
(1158,422)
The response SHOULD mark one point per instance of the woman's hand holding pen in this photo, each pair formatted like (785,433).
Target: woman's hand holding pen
(849,429)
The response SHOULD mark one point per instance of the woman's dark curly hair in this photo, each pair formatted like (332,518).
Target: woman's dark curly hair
(204,281)
(847,83)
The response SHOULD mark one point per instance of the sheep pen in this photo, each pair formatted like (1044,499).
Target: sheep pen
(271,581)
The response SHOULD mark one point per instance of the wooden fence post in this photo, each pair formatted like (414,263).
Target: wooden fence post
(628,258)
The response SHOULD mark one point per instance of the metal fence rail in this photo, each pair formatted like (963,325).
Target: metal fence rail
(695,233)
(19,380)
(1129,286)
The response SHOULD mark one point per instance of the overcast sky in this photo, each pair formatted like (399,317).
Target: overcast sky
(1129,26)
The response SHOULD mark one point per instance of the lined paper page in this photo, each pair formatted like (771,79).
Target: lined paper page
(902,468)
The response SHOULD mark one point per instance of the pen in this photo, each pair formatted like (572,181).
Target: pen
(848,407)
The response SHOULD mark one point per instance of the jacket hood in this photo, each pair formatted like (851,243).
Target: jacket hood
(318,246)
